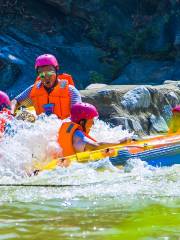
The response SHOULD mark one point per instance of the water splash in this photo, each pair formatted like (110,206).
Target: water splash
(92,181)
(103,131)
(27,142)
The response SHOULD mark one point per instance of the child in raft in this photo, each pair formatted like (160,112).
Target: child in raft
(73,137)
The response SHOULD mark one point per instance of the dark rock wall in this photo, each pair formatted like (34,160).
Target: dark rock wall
(130,41)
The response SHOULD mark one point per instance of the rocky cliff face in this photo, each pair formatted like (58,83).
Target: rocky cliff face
(143,109)
(119,42)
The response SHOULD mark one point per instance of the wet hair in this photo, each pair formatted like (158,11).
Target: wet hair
(82,122)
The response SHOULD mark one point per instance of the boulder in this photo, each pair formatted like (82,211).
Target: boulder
(158,124)
(127,123)
(172,98)
(137,98)
(96,86)
(141,109)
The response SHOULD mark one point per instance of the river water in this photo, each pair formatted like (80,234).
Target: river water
(84,201)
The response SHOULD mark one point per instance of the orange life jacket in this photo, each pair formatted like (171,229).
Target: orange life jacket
(59,97)
(65,137)
(68,77)
(63,76)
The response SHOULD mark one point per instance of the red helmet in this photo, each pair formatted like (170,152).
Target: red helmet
(46,59)
(4,100)
(82,110)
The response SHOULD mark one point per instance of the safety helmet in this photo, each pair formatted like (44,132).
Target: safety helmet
(46,59)
(82,110)
(4,100)
(176,109)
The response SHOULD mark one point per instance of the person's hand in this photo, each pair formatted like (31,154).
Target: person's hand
(63,162)
(26,116)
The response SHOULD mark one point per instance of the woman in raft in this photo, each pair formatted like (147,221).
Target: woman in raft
(73,137)
(6,117)
(51,93)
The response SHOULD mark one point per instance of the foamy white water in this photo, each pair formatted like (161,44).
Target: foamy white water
(35,141)
(29,142)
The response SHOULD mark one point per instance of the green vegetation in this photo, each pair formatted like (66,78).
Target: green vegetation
(96,77)
(135,40)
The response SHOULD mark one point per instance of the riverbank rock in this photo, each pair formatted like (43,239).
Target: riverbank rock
(139,97)
(143,109)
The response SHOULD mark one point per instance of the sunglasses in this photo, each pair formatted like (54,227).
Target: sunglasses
(42,75)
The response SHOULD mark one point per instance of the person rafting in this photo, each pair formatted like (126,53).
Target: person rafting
(5,113)
(175,121)
(73,137)
(51,93)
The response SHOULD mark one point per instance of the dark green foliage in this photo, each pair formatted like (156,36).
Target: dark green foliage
(96,77)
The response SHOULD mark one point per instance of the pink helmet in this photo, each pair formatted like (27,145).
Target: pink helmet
(176,109)
(4,100)
(46,59)
(82,110)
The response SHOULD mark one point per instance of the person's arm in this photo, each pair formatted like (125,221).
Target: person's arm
(102,145)
(14,106)
(21,98)
(82,143)
(74,95)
